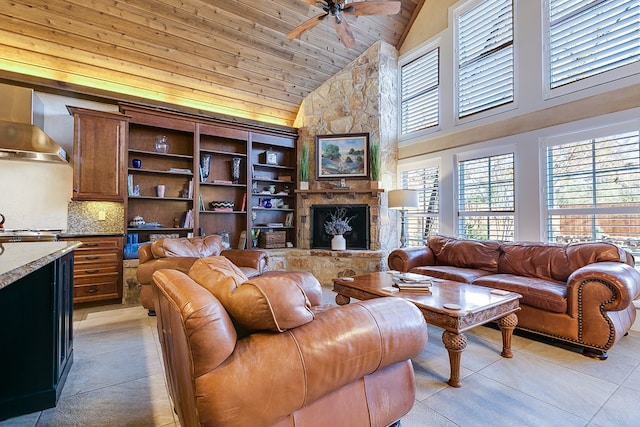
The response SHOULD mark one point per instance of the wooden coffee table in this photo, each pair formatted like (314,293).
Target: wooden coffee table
(478,305)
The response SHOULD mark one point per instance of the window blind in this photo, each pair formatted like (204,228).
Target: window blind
(485,57)
(593,191)
(587,38)
(486,197)
(426,219)
(420,93)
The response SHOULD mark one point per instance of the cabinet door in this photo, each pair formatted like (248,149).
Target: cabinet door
(64,319)
(99,153)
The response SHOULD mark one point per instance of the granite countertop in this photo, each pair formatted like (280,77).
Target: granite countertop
(71,234)
(18,259)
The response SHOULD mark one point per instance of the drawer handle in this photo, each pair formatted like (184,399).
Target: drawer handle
(92,271)
(93,257)
(91,291)
(92,245)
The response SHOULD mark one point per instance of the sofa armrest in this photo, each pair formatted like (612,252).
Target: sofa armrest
(340,346)
(146,269)
(404,259)
(144,253)
(247,258)
(608,286)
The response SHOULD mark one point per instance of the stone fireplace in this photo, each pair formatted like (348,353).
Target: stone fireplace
(357,238)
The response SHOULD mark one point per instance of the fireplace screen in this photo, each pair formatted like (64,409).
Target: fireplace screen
(357,238)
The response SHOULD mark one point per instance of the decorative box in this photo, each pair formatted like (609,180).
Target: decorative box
(272,239)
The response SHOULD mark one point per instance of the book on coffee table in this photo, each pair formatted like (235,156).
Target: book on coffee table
(422,286)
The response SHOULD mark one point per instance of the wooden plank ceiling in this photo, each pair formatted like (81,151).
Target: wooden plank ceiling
(229,57)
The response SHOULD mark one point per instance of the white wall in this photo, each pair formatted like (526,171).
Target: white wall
(36,194)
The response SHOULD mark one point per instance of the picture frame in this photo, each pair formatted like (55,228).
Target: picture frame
(342,156)
(288,222)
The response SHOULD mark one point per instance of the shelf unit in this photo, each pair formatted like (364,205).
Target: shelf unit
(190,139)
(158,169)
(223,144)
(274,182)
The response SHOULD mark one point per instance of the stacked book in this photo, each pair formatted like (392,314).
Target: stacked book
(412,282)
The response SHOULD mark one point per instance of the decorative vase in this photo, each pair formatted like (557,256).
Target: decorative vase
(266,203)
(304,185)
(161,144)
(205,167)
(338,243)
(235,170)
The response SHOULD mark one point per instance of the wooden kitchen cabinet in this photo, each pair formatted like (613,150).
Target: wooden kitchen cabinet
(99,153)
(97,271)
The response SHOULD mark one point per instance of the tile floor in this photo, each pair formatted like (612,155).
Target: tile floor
(117,380)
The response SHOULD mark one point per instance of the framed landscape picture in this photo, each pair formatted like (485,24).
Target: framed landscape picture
(342,156)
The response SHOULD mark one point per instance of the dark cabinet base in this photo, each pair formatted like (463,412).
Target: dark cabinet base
(36,323)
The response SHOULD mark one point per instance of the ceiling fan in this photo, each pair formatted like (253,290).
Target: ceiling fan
(339,8)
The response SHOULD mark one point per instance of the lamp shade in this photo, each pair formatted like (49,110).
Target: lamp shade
(402,199)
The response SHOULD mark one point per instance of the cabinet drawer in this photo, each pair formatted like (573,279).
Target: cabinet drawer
(95,291)
(89,244)
(96,258)
(94,275)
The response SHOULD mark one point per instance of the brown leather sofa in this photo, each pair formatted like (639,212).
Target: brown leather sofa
(265,352)
(581,293)
(180,254)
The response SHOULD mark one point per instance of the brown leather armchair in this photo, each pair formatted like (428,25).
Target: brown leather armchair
(263,352)
(180,254)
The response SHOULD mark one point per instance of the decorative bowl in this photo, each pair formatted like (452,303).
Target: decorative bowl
(222,204)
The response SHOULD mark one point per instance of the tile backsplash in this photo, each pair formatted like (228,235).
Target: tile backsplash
(95,217)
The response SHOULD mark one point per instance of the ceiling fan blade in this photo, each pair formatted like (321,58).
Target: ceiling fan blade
(344,32)
(373,8)
(305,26)
(314,2)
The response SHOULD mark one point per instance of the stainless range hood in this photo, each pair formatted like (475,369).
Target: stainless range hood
(21,123)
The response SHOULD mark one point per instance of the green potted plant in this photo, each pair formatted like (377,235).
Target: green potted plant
(374,165)
(303,168)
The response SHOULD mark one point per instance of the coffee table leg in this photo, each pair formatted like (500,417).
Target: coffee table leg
(455,345)
(342,300)
(507,324)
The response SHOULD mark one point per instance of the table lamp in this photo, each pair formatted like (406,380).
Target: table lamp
(403,199)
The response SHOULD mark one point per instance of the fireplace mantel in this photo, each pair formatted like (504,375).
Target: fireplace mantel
(351,192)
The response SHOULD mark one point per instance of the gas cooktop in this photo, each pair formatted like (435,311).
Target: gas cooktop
(41,235)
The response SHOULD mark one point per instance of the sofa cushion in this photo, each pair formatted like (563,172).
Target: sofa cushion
(547,295)
(457,274)
(542,260)
(198,247)
(584,253)
(465,253)
(274,303)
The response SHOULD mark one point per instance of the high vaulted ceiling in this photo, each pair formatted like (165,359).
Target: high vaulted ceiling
(230,57)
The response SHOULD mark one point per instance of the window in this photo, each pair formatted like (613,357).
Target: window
(419,80)
(485,56)
(587,38)
(486,198)
(593,191)
(424,220)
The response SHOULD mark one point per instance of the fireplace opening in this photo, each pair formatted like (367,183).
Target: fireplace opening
(357,238)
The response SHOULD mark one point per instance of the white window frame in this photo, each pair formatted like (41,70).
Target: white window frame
(545,143)
(412,166)
(628,72)
(405,59)
(477,154)
(491,111)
